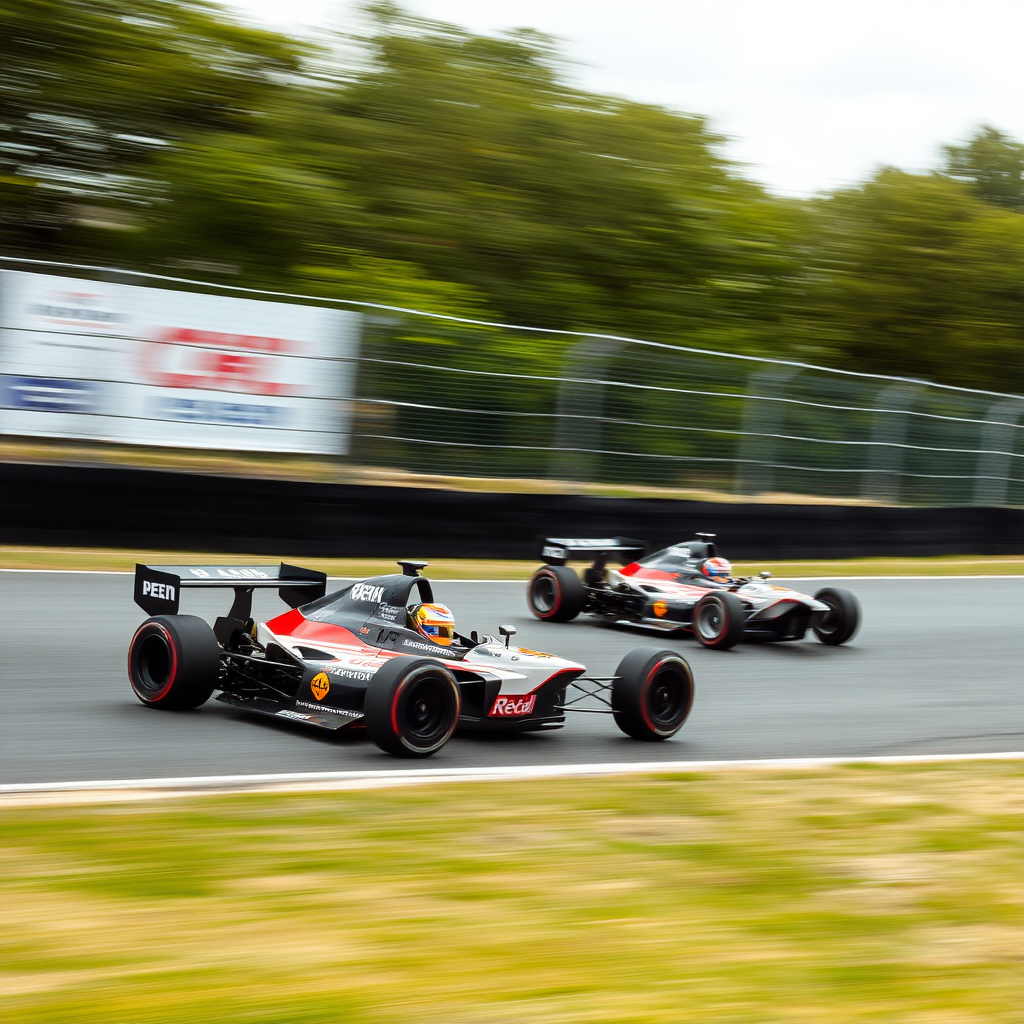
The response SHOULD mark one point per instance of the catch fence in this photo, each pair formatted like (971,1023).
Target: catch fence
(500,402)
(459,398)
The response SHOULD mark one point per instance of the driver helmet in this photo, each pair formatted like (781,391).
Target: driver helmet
(717,569)
(435,622)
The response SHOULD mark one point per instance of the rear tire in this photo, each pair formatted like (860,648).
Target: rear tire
(652,694)
(173,662)
(556,594)
(841,621)
(718,620)
(412,707)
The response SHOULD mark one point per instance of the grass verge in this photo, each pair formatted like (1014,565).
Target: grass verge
(14,557)
(849,894)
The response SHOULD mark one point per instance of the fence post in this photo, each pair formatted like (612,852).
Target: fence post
(888,434)
(762,418)
(991,484)
(579,411)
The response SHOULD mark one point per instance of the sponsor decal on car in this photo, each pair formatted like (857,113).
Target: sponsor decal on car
(358,662)
(359,675)
(513,707)
(589,543)
(535,654)
(551,551)
(294,714)
(165,591)
(328,710)
(389,612)
(365,592)
(320,685)
(660,609)
(421,647)
(229,573)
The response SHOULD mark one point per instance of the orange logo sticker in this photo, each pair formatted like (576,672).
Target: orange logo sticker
(660,608)
(320,684)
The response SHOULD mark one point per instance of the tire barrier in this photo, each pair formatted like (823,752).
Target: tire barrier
(76,506)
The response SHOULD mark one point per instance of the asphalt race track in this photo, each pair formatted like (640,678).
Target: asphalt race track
(937,668)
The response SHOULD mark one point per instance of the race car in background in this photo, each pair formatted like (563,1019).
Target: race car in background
(670,592)
(352,659)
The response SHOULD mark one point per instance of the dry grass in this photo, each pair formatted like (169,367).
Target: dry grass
(22,557)
(328,469)
(854,894)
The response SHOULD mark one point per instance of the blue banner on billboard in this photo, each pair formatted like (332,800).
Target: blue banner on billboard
(49,394)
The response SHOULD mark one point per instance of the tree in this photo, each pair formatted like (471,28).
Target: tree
(91,89)
(914,276)
(992,165)
(472,158)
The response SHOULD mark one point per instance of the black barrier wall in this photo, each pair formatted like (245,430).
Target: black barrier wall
(147,509)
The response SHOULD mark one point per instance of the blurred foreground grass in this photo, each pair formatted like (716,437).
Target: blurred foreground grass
(16,557)
(857,893)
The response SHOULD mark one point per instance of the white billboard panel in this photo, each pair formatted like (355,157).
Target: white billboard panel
(151,366)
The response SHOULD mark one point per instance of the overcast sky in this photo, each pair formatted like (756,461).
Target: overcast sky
(812,94)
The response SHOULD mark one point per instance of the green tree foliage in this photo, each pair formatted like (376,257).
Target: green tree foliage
(425,166)
(89,89)
(993,165)
(915,276)
(473,158)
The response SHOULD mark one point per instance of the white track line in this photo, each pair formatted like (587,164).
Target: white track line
(103,791)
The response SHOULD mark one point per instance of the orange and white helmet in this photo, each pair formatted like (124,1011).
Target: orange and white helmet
(717,569)
(435,622)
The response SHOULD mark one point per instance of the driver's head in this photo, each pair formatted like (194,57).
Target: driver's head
(435,622)
(719,570)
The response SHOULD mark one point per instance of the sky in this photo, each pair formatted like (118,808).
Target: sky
(812,95)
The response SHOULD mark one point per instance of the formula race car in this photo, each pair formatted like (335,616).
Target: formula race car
(381,655)
(682,589)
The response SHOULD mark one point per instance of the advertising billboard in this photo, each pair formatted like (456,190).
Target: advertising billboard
(150,366)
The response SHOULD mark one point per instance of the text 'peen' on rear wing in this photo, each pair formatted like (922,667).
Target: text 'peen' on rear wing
(158,587)
(558,550)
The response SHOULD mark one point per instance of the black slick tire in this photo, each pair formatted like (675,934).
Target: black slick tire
(555,594)
(841,621)
(412,707)
(173,662)
(652,694)
(718,620)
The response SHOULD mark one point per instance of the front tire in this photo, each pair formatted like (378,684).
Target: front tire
(652,694)
(412,707)
(842,619)
(556,594)
(718,620)
(173,662)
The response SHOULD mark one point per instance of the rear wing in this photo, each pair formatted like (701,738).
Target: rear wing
(158,587)
(558,550)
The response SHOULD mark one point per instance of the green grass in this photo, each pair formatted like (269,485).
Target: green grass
(14,557)
(850,894)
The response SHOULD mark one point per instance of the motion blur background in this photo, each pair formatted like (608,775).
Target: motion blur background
(419,250)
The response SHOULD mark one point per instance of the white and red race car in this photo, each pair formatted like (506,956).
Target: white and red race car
(350,659)
(667,592)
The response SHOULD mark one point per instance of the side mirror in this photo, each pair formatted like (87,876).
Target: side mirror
(507,632)
(765,575)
